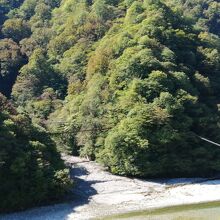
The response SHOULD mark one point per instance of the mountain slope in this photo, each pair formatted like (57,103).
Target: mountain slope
(128,83)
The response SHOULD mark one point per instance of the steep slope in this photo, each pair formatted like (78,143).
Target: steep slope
(140,79)
(6,6)
(31,170)
(151,84)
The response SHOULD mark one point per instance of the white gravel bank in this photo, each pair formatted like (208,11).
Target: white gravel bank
(99,193)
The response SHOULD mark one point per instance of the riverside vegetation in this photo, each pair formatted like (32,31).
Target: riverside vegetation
(129,83)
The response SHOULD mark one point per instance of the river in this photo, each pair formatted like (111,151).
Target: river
(203,211)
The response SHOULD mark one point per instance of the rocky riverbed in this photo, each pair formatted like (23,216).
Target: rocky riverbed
(98,193)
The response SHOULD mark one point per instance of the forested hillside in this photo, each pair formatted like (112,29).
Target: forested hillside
(129,83)
(31,171)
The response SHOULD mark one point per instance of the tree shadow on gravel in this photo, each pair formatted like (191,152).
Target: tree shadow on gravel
(83,188)
(79,196)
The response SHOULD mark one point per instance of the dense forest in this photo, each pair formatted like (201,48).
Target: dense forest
(128,83)
(31,171)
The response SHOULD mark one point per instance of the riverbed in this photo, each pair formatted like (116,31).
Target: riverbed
(202,211)
(99,194)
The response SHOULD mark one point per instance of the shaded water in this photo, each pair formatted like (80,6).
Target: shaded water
(203,211)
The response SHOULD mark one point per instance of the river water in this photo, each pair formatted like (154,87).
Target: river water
(205,211)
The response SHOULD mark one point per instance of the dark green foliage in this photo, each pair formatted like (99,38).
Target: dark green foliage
(36,76)
(11,61)
(6,6)
(140,79)
(17,29)
(137,101)
(31,171)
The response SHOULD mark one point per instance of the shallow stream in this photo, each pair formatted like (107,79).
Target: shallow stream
(203,211)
